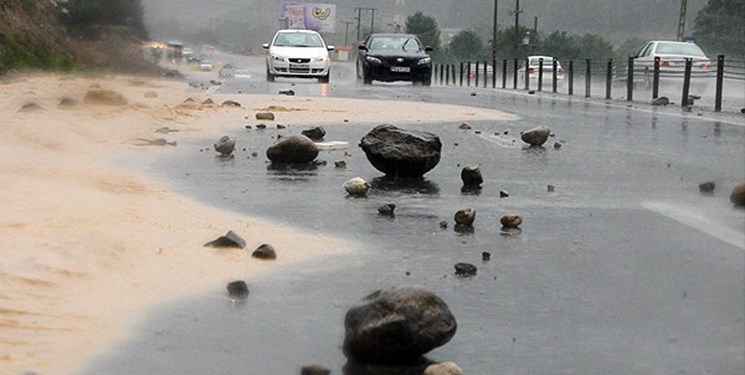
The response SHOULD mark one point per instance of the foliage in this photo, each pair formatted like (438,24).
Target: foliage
(719,28)
(23,54)
(629,48)
(425,27)
(84,15)
(466,44)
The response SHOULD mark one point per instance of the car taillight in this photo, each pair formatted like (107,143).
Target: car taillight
(530,70)
(705,66)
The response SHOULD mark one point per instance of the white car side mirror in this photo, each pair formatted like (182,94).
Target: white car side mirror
(265,46)
(330,48)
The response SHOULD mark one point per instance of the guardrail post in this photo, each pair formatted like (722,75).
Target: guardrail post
(486,73)
(608,79)
(468,75)
(452,67)
(588,77)
(656,78)
(686,82)
(514,74)
(630,80)
(720,81)
(442,73)
(504,73)
(461,74)
(554,79)
(476,75)
(570,88)
(540,74)
(527,75)
(447,75)
(494,73)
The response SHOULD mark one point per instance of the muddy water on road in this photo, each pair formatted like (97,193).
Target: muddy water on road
(594,283)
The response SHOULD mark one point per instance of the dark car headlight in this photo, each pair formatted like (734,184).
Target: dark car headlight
(425,60)
(373,60)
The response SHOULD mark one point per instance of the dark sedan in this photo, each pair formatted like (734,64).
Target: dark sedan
(394,57)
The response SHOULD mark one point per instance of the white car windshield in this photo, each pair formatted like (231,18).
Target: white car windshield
(298,40)
(683,49)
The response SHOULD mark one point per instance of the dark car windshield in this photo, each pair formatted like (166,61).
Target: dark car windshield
(294,39)
(405,43)
(683,49)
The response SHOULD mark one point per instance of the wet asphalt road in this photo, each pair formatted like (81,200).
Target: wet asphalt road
(624,268)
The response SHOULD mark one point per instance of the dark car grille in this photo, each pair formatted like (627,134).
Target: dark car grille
(299,61)
(394,61)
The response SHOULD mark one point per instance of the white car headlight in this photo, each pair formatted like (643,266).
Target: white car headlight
(320,59)
(278,58)
(425,60)
(373,60)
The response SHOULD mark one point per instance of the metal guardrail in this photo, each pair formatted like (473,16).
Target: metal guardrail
(632,73)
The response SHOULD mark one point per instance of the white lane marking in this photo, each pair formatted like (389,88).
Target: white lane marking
(500,141)
(692,219)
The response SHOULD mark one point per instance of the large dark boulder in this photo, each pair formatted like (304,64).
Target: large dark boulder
(397,326)
(401,153)
(295,149)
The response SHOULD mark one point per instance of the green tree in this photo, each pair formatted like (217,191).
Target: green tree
(629,48)
(595,47)
(720,28)
(466,44)
(83,15)
(425,27)
(561,45)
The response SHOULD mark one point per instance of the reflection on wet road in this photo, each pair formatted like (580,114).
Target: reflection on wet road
(624,268)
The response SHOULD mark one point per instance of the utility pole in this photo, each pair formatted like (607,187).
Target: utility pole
(515,47)
(682,20)
(372,21)
(346,32)
(494,34)
(359,16)
(535,30)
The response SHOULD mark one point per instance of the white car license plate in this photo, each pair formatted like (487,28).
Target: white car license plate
(400,69)
(298,66)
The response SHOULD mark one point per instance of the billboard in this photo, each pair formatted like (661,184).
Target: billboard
(318,17)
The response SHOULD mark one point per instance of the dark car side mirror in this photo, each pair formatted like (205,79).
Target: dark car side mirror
(428,49)
(330,48)
(362,47)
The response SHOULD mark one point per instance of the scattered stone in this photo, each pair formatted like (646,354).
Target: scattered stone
(248,127)
(471,175)
(738,194)
(511,221)
(225,146)
(151,94)
(401,153)
(230,239)
(31,107)
(707,187)
(238,289)
(280,126)
(215,82)
(357,187)
(473,94)
(397,325)
(557,145)
(265,251)
(104,97)
(387,209)
(165,130)
(477,132)
(742,110)
(287,92)
(231,103)
(261,126)
(465,217)
(536,137)
(67,103)
(503,194)
(268,116)
(445,368)
(531,92)
(188,100)
(485,256)
(662,100)
(314,369)
(316,134)
(465,269)
(550,188)
(341,164)
(208,102)
(254,154)
(465,126)
(443,224)
(295,149)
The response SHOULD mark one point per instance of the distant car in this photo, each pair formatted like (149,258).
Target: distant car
(206,65)
(673,57)
(298,53)
(534,63)
(394,57)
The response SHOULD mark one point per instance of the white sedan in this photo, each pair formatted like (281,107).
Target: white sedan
(297,53)
(533,68)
